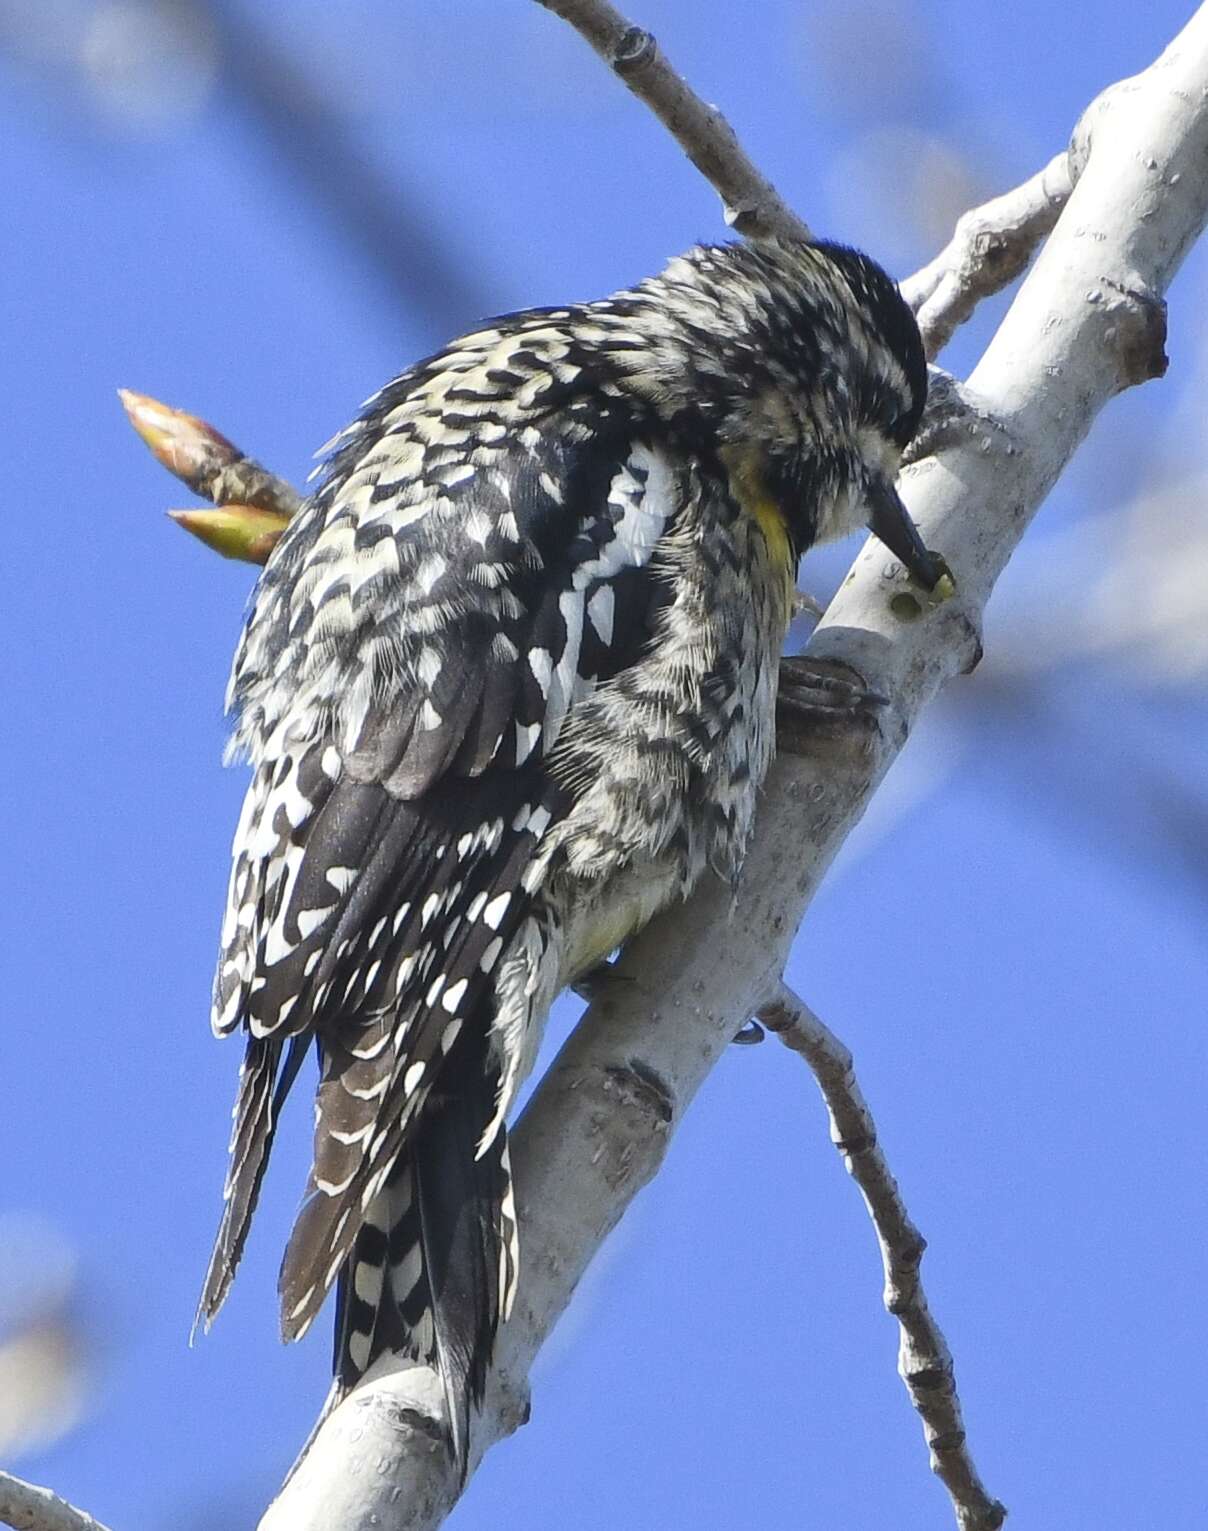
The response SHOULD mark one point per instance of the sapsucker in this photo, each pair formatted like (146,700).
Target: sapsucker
(507,688)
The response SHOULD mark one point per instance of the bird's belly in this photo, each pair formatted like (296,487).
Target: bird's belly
(600,920)
(667,760)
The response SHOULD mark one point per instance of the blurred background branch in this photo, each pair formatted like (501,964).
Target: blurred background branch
(148,67)
(27,1507)
(45,1378)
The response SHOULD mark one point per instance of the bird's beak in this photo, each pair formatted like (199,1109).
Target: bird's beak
(889,520)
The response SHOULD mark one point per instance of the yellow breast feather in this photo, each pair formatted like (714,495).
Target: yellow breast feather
(750,491)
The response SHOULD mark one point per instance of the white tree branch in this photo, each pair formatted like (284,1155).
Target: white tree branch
(1087,322)
(26,1507)
(924,1360)
(989,248)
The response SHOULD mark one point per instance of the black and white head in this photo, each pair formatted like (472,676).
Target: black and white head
(806,358)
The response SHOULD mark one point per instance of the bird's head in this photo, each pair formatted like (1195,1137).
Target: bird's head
(806,366)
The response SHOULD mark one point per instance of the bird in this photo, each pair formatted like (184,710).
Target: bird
(507,687)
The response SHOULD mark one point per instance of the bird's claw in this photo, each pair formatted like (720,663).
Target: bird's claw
(824,686)
(953,416)
(596,981)
(816,694)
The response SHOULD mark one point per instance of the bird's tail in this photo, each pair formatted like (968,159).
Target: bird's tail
(432,1272)
(257,1106)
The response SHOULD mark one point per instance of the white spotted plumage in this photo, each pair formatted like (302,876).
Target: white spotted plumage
(507,687)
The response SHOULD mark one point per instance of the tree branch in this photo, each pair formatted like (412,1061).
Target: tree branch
(752,205)
(1087,322)
(26,1507)
(924,1360)
(989,248)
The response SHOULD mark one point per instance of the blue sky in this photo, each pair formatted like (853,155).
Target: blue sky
(1040,845)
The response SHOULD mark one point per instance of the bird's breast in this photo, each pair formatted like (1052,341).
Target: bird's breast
(750,491)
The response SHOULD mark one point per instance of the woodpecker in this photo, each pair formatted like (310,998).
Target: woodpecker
(507,688)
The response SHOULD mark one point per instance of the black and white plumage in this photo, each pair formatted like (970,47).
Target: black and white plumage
(507,688)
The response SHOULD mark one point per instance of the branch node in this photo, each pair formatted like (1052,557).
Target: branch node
(515,1402)
(636,49)
(930,1379)
(645,1087)
(1137,332)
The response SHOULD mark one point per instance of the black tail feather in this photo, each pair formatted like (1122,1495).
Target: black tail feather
(261,1094)
(430,1272)
(459,1199)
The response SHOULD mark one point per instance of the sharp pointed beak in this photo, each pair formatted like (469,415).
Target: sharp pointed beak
(889,520)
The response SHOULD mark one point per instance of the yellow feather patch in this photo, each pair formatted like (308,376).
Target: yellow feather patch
(745,467)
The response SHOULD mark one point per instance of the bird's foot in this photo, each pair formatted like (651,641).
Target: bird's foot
(815,695)
(598,980)
(954,416)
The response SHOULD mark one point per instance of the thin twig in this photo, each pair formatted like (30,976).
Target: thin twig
(924,1361)
(991,245)
(989,248)
(753,206)
(254,505)
(204,459)
(26,1507)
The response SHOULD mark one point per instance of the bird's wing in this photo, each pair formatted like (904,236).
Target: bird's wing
(418,640)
